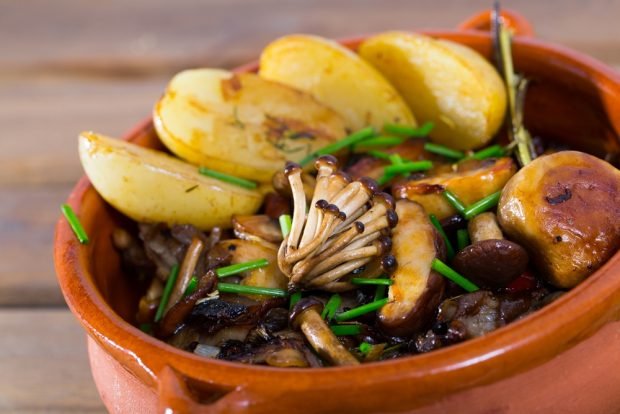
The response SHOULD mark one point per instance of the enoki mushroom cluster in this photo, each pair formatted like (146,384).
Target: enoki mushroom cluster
(347,224)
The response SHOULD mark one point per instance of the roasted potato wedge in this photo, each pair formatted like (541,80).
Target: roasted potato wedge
(150,186)
(443,82)
(241,124)
(246,250)
(472,181)
(417,289)
(336,77)
(564,208)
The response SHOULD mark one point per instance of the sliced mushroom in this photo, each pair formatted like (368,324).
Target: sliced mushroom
(564,208)
(470,181)
(261,228)
(186,272)
(268,276)
(490,261)
(417,289)
(306,316)
(347,225)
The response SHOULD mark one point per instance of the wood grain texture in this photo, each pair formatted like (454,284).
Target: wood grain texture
(43,364)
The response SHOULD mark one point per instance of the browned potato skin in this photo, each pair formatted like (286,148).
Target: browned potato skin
(417,289)
(564,208)
(472,181)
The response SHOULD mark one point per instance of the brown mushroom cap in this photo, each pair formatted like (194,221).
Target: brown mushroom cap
(302,306)
(491,263)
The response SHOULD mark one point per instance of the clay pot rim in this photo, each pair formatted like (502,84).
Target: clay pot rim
(587,306)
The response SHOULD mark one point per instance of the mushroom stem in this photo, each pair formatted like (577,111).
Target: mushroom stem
(337,272)
(325,167)
(345,256)
(186,272)
(306,317)
(293,172)
(484,227)
(330,214)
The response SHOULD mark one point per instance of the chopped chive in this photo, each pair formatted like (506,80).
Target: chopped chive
(191,286)
(409,131)
(379,154)
(231,179)
(165,296)
(338,145)
(408,167)
(252,290)
(346,330)
(482,205)
(75,224)
(443,234)
(330,308)
(454,201)
(446,271)
(494,151)
(380,141)
(146,328)
(396,159)
(241,267)
(443,150)
(365,348)
(364,281)
(361,310)
(285,224)
(295,297)
(380,292)
(462,238)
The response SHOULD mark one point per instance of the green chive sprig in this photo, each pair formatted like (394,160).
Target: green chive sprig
(380,292)
(365,348)
(251,290)
(75,224)
(462,238)
(295,297)
(443,234)
(443,150)
(330,308)
(165,296)
(361,310)
(378,142)
(379,154)
(408,167)
(346,330)
(482,205)
(348,141)
(241,267)
(231,179)
(374,282)
(409,131)
(191,286)
(449,273)
(494,151)
(285,224)
(454,201)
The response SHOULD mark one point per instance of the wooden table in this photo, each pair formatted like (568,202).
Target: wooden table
(70,65)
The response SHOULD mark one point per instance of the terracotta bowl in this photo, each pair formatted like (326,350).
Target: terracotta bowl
(562,359)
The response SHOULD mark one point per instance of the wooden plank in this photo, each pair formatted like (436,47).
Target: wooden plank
(43,364)
(153,36)
(27,219)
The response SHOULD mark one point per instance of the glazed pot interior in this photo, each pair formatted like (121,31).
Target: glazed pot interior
(570,101)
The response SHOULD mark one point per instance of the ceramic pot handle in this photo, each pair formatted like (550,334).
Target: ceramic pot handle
(482,21)
(179,394)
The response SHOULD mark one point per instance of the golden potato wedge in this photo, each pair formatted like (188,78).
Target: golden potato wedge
(336,77)
(443,82)
(150,186)
(472,181)
(417,289)
(241,124)
(564,208)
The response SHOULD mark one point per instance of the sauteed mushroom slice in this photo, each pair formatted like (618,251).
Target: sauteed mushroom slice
(564,208)
(470,182)
(417,289)
(259,227)
(490,261)
(306,316)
